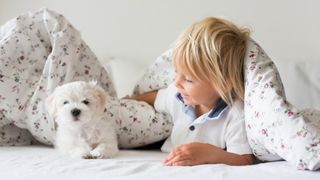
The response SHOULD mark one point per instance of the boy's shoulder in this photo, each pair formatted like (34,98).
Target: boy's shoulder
(237,108)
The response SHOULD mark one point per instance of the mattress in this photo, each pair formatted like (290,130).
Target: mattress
(42,162)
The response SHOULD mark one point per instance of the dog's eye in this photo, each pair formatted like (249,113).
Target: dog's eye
(86,102)
(65,102)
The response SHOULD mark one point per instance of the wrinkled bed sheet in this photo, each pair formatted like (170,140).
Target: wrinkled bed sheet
(41,162)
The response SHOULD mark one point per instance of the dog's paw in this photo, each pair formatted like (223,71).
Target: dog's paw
(88,156)
(96,154)
(79,153)
(104,151)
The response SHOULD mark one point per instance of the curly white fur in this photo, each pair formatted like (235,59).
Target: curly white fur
(82,130)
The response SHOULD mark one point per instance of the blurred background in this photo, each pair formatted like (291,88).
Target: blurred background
(140,30)
(132,33)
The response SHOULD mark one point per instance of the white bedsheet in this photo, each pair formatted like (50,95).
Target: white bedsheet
(40,162)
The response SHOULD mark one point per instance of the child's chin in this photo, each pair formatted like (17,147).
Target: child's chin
(189,103)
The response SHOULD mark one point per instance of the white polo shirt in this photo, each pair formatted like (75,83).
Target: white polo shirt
(223,126)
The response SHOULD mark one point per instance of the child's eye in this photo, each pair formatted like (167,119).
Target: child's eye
(86,102)
(187,80)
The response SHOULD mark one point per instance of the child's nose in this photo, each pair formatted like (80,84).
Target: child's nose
(177,81)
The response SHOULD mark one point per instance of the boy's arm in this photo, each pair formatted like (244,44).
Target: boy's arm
(148,97)
(201,153)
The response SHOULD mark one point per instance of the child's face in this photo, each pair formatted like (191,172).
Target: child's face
(195,92)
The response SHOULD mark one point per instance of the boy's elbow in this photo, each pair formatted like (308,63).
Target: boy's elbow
(248,159)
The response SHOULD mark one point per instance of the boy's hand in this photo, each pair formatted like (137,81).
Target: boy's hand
(148,97)
(191,154)
(128,97)
(201,153)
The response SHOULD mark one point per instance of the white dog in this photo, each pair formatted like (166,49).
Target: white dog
(82,130)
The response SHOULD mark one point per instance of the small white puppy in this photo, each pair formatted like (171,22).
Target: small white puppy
(82,131)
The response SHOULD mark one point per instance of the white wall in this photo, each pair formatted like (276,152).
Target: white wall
(140,30)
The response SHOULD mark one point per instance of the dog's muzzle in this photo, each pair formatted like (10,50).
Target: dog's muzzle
(75,112)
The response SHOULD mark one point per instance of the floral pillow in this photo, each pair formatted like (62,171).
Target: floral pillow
(159,75)
(38,52)
(42,50)
(276,130)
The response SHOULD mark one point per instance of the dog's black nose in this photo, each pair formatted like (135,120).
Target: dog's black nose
(75,112)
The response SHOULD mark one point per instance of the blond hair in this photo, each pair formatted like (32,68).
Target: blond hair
(213,50)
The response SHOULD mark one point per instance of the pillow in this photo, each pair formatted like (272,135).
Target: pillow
(138,124)
(159,75)
(38,52)
(121,69)
(275,128)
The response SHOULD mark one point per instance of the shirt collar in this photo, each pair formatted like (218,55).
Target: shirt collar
(215,112)
(189,110)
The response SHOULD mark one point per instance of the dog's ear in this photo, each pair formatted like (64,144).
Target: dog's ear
(51,105)
(102,97)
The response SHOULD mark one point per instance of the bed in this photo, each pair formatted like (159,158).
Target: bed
(42,162)
(302,84)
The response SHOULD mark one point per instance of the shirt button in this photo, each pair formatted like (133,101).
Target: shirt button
(191,128)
